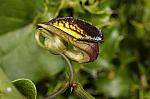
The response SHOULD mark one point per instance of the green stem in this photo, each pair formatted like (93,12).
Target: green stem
(71,71)
(7,90)
(59,92)
(80,92)
(67,85)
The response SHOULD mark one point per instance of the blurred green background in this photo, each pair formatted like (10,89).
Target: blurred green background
(122,70)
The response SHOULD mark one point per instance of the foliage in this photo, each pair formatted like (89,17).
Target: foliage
(26,87)
(122,68)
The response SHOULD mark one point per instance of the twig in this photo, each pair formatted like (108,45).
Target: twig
(80,92)
(59,92)
(71,71)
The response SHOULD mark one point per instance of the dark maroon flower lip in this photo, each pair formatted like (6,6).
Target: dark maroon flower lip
(90,32)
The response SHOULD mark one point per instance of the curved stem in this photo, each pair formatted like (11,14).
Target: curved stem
(71,76)
(62,90)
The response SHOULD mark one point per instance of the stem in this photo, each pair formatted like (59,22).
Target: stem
(71,78)
(62,90)
(70,69)
(80,92)
(7,90)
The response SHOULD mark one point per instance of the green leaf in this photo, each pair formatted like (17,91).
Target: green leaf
(111,44)
(97,13)
(15,14)
(115,84)
(146,95)
(26,87)
(126,57)
(21,57)
(99,7)
(52,8)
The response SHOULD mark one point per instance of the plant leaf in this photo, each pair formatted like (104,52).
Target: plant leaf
(26,87)
(15,14)
(20,56)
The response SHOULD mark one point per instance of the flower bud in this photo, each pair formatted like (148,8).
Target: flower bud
(61,33)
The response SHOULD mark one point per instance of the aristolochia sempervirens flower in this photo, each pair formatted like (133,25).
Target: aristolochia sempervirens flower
(75,38)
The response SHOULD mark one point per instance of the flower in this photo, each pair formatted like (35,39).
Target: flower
(75,38)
